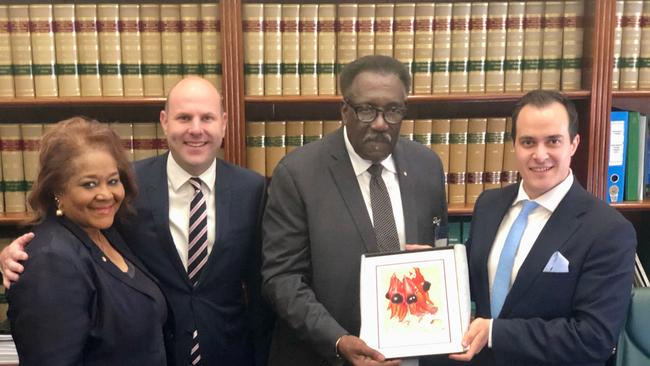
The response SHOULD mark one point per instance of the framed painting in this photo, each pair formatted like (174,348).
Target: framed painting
(415,303)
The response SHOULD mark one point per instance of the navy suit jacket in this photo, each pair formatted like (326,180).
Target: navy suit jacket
(556,318)
(73,307)
(225,307)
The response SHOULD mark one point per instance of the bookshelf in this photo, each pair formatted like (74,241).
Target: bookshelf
(594,100)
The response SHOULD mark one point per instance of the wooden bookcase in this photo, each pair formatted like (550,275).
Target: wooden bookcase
(594,102)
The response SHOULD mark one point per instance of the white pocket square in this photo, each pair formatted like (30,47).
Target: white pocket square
(557,264)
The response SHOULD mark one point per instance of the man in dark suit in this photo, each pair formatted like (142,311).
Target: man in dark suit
(551,287)
(320,214)
(219,317)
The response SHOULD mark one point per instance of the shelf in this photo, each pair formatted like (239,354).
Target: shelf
(630,206)
(14,218)
(460,209)
(631,94)
(80,101)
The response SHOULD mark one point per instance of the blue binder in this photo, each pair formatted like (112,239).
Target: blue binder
(617,154)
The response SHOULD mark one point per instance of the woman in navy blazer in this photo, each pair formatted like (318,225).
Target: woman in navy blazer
(84,298)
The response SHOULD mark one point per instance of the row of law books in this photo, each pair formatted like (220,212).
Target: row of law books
(629,157)
(19,149)
(632,46)
(459,47)
(95,50)
(477,153)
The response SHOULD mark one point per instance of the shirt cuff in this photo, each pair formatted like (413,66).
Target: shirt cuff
(490,335)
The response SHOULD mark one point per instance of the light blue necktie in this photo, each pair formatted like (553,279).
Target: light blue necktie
(501,284)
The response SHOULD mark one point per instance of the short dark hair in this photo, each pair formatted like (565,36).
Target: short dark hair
(60,146)
(543,98)
(377,64)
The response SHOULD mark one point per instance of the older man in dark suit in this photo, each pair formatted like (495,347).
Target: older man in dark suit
(551,267)
(361,189)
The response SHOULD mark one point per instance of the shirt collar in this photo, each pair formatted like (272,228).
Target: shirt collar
(551,199)
(361,165)
(177,176)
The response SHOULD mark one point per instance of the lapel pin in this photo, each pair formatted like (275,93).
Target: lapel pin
(404,174)
(436,221)
(103,258)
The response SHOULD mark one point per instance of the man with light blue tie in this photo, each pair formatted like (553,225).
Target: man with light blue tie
(551,266)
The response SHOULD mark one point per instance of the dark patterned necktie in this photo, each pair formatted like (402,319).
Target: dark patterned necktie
(197,254)
(382,212)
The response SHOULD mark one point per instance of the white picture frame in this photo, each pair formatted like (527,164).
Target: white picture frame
(415,303)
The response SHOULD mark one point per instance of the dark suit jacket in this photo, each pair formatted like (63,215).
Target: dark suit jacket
(556,318)
(72,307)
(225,306)
(316,226)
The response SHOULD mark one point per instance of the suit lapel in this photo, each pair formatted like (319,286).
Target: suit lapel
(157,193)
(483,237)
(348,186)
(407,192)
(559,228)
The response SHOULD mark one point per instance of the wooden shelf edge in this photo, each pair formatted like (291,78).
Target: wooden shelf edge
(10,219)
(630,93)
(417,98)
(629,206)
(456,209)
(80,101)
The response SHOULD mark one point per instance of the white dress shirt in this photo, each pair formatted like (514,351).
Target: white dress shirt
(389,175)
(537,219)
(180,196)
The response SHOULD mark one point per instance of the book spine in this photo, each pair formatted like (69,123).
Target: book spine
(644,53)
(150,40)
(495,54)
(65,40)
(31,136)
(290,49)
(552,47)
(144,140)
(6,69)
(533,42)
(494,141)
(161,140)
(366,34)
(403,46)
(2,182)
(88,50)
(476,131)
(630,45)
(326,49)
(331,126)
(406,129)
(125,131)
(618,36)
(514,46)
(460,37)
(632,156)
(11,145)
(170,38)
(440,129)
(131,66)
(572,43)
(295,135)
(423,49)
(43,54)
(255,148)
(191,50)
(110,54)
(308,32)
(253,28)
(274,143)
(477,47)
(509,174)
(272,49)
(211,43)
(441,48)
(346,35)
(21,50)
(384,28)
(422,131)
(313,131)
(457,160)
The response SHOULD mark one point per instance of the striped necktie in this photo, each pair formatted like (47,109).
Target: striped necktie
(197,254)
